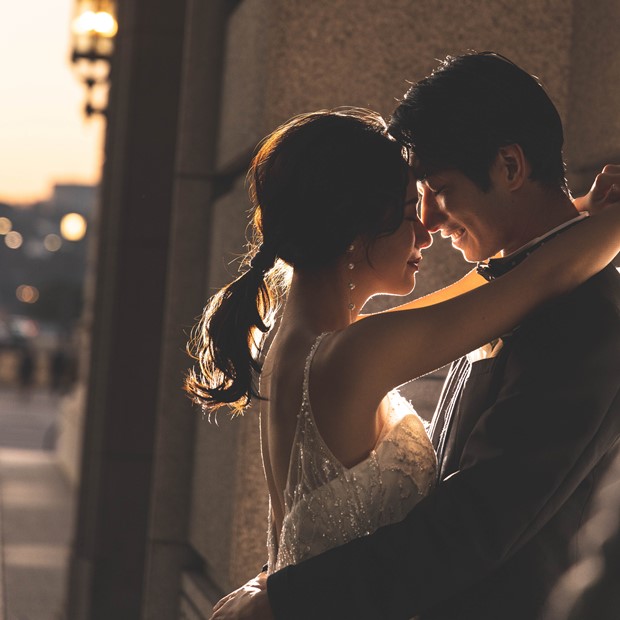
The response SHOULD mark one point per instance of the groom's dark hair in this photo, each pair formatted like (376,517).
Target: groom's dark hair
(468,108)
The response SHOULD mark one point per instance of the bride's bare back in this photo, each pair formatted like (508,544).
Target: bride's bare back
(348,421)
(317,501)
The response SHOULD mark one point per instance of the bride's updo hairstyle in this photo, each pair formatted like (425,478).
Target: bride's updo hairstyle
(316,184)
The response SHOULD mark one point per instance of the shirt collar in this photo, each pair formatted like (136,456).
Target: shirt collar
(496,267)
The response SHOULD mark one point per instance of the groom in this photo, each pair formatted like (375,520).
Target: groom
(525,426)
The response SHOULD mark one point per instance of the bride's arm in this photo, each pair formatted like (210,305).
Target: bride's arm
(388,349)
(467,283)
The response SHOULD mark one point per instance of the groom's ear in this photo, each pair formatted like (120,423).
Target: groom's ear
(513,167)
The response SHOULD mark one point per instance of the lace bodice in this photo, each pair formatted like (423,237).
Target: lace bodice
(328,504)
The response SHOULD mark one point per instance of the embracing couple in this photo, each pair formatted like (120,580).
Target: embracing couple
(374,514)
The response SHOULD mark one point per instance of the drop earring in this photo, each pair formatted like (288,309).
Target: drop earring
(350,283)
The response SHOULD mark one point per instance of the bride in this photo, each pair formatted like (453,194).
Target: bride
(343,453)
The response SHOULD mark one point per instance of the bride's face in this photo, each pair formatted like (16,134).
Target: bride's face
(393,260)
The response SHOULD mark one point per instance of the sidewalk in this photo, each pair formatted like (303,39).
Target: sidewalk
(36,510)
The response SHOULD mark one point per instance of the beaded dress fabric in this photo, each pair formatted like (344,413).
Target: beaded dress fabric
(328,504)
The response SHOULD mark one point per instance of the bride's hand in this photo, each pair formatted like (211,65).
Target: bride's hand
(604,191)
(249,602)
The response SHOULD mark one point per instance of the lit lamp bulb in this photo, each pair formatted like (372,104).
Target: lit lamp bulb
(105,24)
(73,227)
(99,23)
(93,30)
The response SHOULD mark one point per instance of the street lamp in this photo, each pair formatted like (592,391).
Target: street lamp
(93,29)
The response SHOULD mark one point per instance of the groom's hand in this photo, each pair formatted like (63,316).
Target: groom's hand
(249,602)
(604,191)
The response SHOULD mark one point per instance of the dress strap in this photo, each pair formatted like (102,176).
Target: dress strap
(305,429)
(313,349)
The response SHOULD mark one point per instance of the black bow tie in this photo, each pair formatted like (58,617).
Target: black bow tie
(496,267)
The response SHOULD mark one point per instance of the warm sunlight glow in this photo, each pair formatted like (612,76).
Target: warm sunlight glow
(5,225)
(101,23)
(42,122)
(14,240)
(27,294)
(73,227)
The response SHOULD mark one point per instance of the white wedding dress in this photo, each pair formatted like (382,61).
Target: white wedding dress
(327,504)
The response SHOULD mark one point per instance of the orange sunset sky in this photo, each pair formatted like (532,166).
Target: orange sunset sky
(44,134)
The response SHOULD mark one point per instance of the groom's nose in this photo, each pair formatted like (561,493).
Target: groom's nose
(422,237)
(430,214)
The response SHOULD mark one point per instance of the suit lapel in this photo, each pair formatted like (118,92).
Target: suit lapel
(446,408)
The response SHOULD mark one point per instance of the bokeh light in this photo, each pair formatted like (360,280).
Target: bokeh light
(73,227)
(28,294)
(5,225)
(52,243)
(13,240)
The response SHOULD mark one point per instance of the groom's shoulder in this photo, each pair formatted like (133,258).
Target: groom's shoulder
(606,282)
(598,297)
(583,318)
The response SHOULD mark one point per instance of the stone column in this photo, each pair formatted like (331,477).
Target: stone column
(109,553)
(171,559)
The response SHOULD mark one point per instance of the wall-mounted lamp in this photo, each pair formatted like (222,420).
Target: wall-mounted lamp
(93,29)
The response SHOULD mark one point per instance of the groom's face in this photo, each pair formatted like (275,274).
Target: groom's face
(474,220)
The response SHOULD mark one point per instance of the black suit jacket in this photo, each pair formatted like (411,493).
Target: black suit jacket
(528,434)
